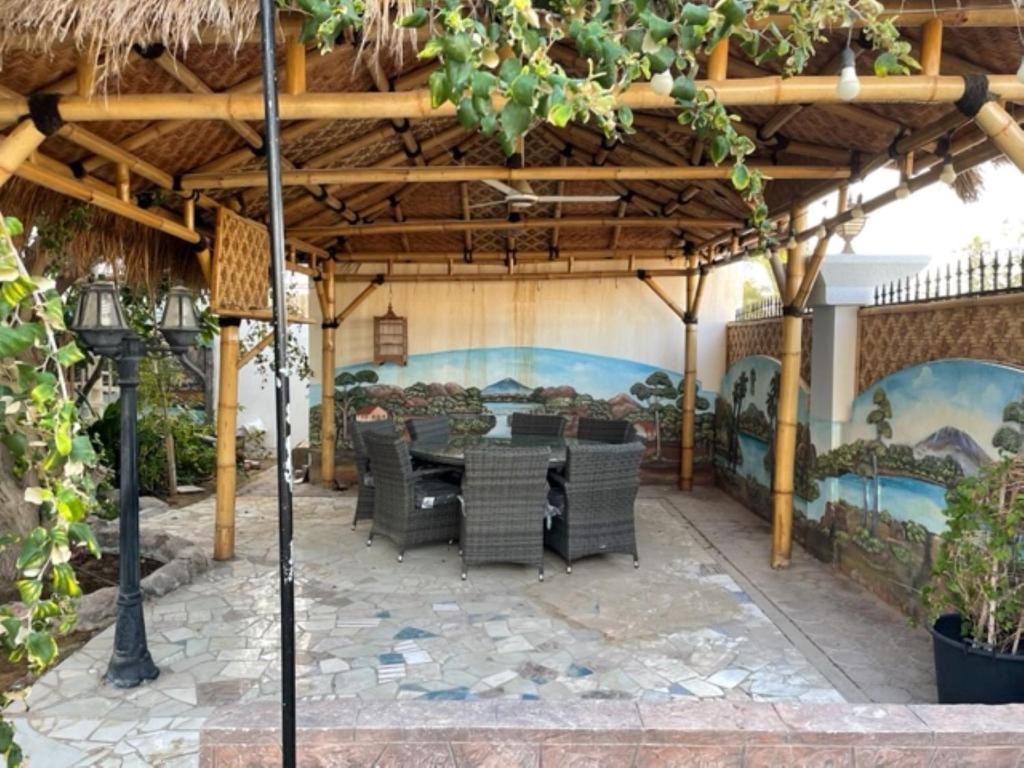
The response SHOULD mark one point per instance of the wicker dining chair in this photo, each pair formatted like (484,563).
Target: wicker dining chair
(595,496)
(357,430)
(410,507)
(431,429)
(614,431)
(537,424)
(504,494)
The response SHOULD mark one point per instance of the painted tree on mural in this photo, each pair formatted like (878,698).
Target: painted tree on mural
(879,418)
(739,394)
(1009,438)
(350,394)
(771,406)
(656,389)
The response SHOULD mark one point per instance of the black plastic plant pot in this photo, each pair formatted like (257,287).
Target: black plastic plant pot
(967,675)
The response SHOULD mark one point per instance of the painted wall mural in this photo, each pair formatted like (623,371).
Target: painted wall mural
(744,431)
(480,388)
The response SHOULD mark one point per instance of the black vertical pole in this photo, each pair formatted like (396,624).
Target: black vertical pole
(272,144)
(130,664)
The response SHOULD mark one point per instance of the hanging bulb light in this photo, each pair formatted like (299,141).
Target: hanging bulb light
(948,175)
(849,85)
(662,82)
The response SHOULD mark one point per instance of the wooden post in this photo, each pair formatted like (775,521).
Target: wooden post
(227,418)
(1004,131)
(789,393)
(689,381)
(329,329)
(16,148)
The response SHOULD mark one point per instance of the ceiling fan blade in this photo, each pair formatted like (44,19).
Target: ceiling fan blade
(578,199)
(501,186)
(488,205)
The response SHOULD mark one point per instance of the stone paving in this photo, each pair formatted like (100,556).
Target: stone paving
(678,629)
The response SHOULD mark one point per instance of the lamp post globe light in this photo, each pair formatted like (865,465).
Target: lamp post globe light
(99,322)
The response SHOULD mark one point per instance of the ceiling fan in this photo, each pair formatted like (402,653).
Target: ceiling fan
(520,196)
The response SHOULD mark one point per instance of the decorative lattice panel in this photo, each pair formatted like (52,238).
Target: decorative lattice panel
(984,328)
(764,337)
(241,265)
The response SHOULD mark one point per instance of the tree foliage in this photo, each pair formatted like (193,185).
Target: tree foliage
(514,49)
(53,457)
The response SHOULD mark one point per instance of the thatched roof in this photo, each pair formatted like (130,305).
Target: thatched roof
(209,42)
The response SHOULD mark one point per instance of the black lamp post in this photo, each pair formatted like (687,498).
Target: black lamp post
(100,324)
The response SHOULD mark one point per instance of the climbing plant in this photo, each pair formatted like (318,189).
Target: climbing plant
(515,48)
(51,456)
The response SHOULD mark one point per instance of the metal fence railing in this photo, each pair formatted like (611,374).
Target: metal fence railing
(1000,271)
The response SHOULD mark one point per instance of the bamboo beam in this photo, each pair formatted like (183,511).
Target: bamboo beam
(931,46)
(294,65)
(17,147)
(485,257)
(689,417)
(1003,130)
(227,424)
(416,104)
(258,347)
(359,299)
(786,423)
(718,62)
(478,225)
(620,215)
(571,273)
(429,175)
(662,294)
(467,214)
(123,183)
(328,332)
(263,315)
(813,270)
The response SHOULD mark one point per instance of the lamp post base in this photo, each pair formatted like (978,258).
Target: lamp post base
(131,671)
(131,663)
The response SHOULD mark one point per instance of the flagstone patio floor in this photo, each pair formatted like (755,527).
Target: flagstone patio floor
(690,624)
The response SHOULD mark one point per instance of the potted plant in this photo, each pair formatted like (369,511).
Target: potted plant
(976,596)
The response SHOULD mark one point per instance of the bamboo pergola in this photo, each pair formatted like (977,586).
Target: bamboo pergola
(119,127)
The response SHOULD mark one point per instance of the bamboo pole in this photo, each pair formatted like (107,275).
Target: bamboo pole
(931,46)
(786,423)
(294,65)
(17,147)
(451,174)
(478,225)
(662,294)
(688,426)
(227,424)
(328,332)
(735,92)
(256,348)
(718,62)
(1003,130)
(123,183)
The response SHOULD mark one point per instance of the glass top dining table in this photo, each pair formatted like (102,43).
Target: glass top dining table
(453,452)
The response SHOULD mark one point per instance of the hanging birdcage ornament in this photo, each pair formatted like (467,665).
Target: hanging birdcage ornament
(390,338)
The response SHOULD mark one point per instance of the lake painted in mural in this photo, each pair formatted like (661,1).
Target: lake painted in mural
(754,451)
(904,498)
(503,412)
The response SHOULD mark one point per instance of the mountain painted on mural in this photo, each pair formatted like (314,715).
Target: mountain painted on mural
(954,443)
(506,388)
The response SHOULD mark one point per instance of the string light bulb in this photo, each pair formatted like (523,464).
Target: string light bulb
(662,83)
(849,84)
(948,175)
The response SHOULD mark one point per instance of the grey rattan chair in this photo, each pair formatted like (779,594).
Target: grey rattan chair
(537,424)
(410,507)
(504,501)
(605,430)
(433,429)
(596,496)
(357,429)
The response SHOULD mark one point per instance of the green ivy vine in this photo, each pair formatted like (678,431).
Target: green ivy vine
(53,458)
(511,48)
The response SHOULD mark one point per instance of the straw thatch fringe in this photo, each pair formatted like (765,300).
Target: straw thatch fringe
(117,25)
(381,30)
(969,185)
(136,254)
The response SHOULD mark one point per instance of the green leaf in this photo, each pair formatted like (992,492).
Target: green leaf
(64,582)
(439,88)
(696,14)
(16,443)
(468,118)
(458,73)
(82,450)
(13,226)
(415,19)
(16,339)
(684,89)
(17,290)
(523,89)
(515,120)
(69,354)
(659,28)
(431,50)
(29,590)
(34,550)
(625,115)
(62,438)
(81,533)
(42,649)
(560,115)
(718,149)
(458,47)
(661,59)
(510,69)
(482,83)
(888,64)
(740,176)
